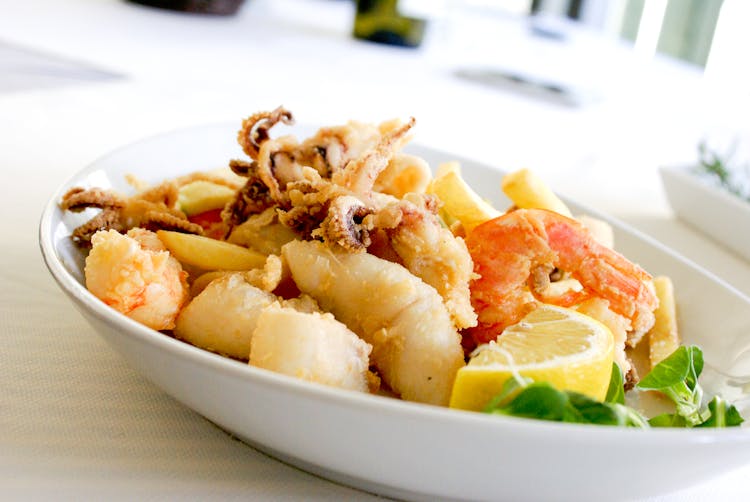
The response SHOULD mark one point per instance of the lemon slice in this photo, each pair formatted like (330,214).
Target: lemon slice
(567,349)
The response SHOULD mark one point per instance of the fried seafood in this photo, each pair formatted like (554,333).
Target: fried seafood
(431,252)
(223,316)
(310,346)
(307,203)
(263,232)
(514,255)
(404,174)
(252,198)
(416,348)
(360,174)
(147,210)
(350,157)
(225,305)
(234,317)
(279,161)
(254,130)
(156,207)
(406,231)
(328,151)
(135,275)
(110,203)
(335,198)
(344,226)
(328,260)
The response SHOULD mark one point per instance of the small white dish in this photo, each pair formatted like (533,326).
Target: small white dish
(409,450)
(708,208)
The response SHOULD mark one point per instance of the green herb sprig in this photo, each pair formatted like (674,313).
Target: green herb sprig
(727,176)
(676,377)
(521,397)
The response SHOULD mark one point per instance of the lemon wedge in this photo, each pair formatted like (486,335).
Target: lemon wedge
(567,349)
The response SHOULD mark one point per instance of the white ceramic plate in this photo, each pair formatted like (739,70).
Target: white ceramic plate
(709,208)
(404,449)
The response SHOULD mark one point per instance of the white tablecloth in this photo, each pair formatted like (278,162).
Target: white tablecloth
(75,421)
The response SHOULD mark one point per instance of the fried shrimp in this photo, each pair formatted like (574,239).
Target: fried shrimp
(514,255)
(416,348)
(135,275)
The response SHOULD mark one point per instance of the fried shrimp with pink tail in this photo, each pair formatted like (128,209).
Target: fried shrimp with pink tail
(136,275)
(514,255)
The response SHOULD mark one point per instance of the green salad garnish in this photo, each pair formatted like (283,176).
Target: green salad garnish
(676,377)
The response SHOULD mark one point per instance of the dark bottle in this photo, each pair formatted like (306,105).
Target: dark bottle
(380,21)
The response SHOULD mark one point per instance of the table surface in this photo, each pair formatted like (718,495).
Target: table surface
(79,78)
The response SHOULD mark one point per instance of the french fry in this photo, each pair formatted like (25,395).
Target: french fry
(200,196)
(663,338)
(528,191)
(210,254)
(448,167)
(460,201)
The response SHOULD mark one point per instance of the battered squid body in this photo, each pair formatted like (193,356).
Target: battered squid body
(233,317)
(416,348)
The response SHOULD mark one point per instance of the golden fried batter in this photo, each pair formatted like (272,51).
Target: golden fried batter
(343,226)
(254,130)
(350,186)
(123,213)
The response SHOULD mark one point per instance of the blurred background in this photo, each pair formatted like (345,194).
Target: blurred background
(607,90)
(709,34)
(593,95)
